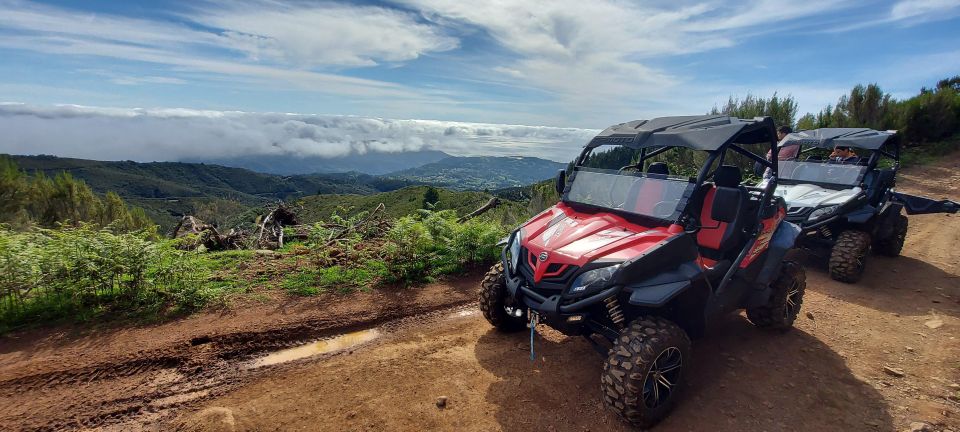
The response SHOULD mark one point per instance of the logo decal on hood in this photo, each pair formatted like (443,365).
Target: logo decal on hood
(553,232)
(544,256)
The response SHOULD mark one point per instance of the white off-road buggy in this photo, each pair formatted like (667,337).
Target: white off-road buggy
(849,207)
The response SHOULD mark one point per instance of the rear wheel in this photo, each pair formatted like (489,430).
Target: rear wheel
(495,305)
(847,259)
(892,244)
(645,370)
(786,297)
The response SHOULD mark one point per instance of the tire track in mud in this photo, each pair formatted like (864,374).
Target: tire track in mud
(87,374)
(145,388)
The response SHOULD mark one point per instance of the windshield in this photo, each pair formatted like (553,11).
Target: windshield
(822,172)
(651,195)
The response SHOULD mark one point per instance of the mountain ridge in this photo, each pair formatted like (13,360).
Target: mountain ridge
(373,163)
(482,172)
(169,190)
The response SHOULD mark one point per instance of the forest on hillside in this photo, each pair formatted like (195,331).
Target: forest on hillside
(28,200)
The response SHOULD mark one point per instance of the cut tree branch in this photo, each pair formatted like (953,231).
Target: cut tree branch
(494,202)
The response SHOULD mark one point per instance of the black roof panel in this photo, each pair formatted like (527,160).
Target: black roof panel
(705,132)
(831,137)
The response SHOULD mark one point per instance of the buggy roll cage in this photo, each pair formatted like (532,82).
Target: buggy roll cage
(879,143)
(712,134)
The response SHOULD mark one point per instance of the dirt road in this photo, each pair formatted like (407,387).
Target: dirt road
(226,371)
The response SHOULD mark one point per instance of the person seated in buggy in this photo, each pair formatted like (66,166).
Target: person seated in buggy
(844,155)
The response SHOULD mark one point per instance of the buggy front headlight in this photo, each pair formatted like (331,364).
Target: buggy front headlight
(822,212)
(515,250)
(594,279)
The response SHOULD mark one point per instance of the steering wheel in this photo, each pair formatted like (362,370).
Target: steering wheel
(621,203)
(665,209)
(806,173)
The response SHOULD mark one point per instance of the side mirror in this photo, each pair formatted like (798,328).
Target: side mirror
(561,183)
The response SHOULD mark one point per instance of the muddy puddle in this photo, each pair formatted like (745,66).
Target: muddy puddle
(325,346)
(464,313)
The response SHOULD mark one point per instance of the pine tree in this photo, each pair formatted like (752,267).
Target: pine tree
(14,190)
(48,202)
(430,198)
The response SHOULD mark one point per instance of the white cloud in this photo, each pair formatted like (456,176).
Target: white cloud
(906,13)
(268,41)
(125,79)
(924,10)
(601,57)
(180,134)
(323,34)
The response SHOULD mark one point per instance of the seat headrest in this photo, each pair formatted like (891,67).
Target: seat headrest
(658,168)
(727,176)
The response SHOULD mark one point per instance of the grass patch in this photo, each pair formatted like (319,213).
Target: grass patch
(302,283)
(930,152)
(222,260)
(220,269)
(337,278)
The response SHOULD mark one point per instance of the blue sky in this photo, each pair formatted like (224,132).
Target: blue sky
(560,63)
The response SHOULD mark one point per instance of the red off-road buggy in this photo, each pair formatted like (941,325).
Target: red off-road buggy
(642,258)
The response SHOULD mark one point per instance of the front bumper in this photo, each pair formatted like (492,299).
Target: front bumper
(569,316)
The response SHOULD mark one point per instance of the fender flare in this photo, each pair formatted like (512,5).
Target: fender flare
(784,239)
(659,290)
(658,295)
(861,215)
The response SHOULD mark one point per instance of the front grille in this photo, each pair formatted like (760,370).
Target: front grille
(798,214)
(797,211)
(547,286)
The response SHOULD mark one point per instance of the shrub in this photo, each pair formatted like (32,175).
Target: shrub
(433,243)
(83,272)
(37,199)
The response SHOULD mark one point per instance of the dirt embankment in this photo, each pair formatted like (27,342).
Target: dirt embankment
(206,373)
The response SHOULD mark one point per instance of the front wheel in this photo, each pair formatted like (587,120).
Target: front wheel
(644,372)
(847,259)
(786,297)
(495,305)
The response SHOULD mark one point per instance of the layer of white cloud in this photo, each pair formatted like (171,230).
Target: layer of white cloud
(182,134)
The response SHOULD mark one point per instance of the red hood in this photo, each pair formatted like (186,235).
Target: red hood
(572,238)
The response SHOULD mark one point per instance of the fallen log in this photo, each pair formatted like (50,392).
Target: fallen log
(195,233)
(187,225)
(270,232)
(493,203)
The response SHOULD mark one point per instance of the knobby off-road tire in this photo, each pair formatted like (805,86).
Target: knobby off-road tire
(644,373)
(493,299)
(786,298)
(893,244)
(848,257)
